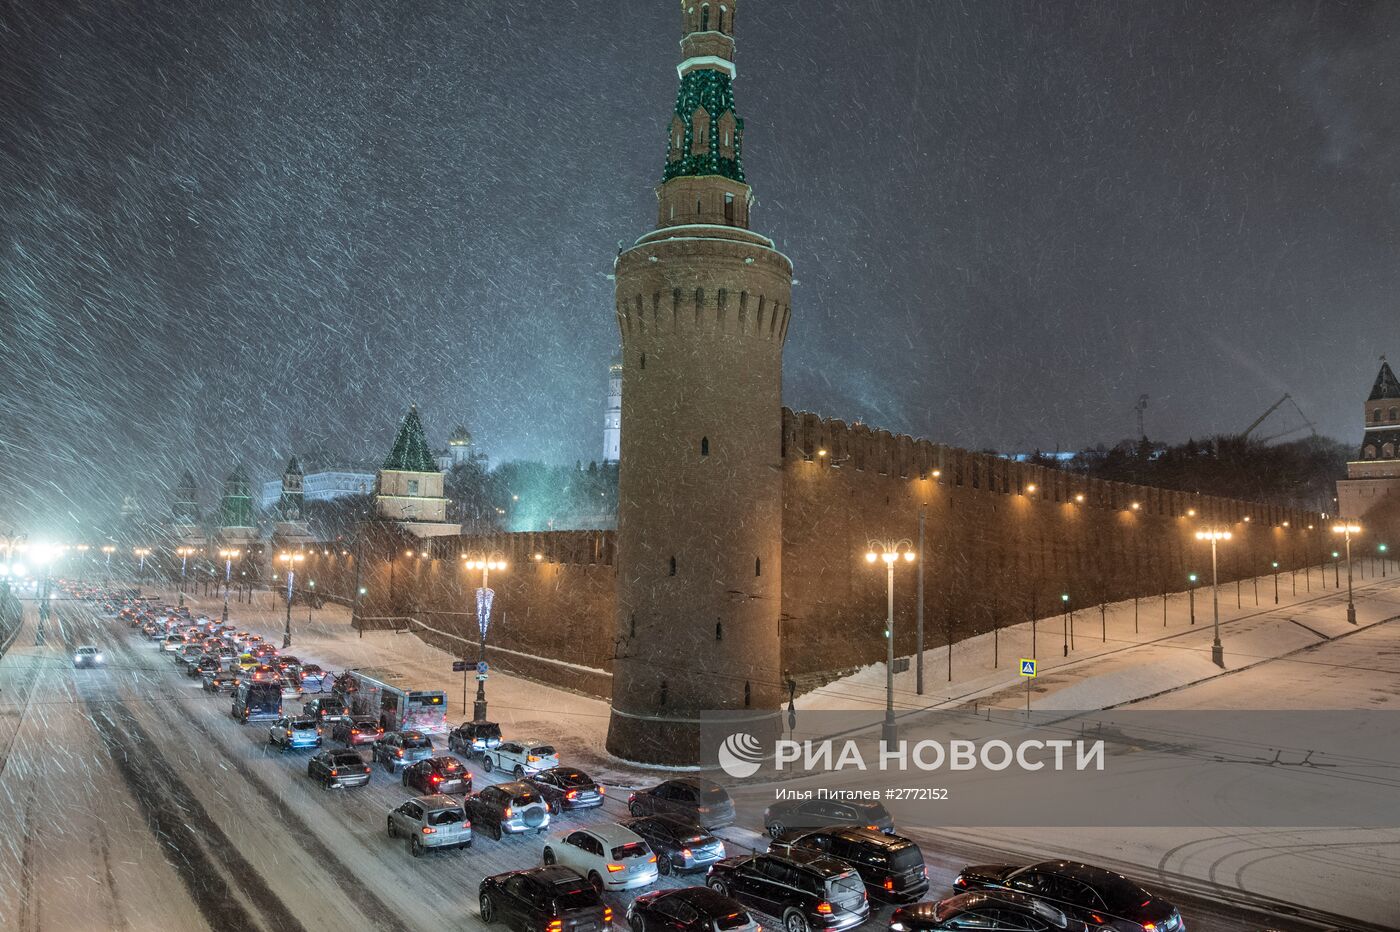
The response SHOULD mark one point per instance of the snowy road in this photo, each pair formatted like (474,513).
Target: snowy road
(135,802)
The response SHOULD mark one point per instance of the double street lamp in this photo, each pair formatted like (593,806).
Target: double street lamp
(184,553)
(229,556)
(1348,529)
(484,597)
(289,560)
(142,553)
(1217,651)
(890,552)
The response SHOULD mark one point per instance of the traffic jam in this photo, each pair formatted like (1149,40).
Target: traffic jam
(824,868)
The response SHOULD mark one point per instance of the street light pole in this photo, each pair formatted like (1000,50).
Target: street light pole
(291,560)
(484,597)
(1217,651)
(1275,582)
(1348,530)
(891,552)
(1064,598)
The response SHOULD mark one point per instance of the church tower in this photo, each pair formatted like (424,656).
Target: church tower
(1371,490)
(703,307)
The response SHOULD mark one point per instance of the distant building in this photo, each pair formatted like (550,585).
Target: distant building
(323,485)
(612,416)
(1373,480)
(409,487)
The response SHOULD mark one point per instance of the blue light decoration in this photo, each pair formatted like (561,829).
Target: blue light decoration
(484,598)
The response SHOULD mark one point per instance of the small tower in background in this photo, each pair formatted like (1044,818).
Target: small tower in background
(1371,490)
(459,445)
(612,415)
(409,486)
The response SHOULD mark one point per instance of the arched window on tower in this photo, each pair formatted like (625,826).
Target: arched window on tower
(1388,451)
(719,631)
(632,625)
(748,694)
(704,17)
(726,128)
(758,566)
(677,139)
(1395,414)
(1369,453)
(1376,416)
(700,131)
(673,566)
(704,446)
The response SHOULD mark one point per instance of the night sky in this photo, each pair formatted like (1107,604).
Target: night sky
(237,229)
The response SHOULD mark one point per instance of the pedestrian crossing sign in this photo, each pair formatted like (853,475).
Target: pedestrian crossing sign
(1027,667)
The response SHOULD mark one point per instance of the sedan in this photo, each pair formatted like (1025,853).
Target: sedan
(680,845)
(695,798)
(338,768)
(820,813)
(431,822)
(1082,892)
(566,788)
(989,909)
(293,733)
(221,681)
(438,775)
(362,729)
(690,909)
(612,857)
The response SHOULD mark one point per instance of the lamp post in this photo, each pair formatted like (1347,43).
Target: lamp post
(1336,570)
(1191,595)
(229,556)
(1275,582)
(108,549)
(290,560)
(484,597)
(890,552)
(142,553)
(1381,549)
(1348,529)
(1217,652)
(184,553)
(43,555)
(1064,599)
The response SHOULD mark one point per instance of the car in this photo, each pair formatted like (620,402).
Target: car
(471,738)
(286,661)
(680,845)
(552,898)
(263,673)
(520,757)
(292,733)
(702,801)
(567,788)
(806,891)
(441,775)
(291,689)
(821,813)
(434,821)
(203,665)
(690,909)
(247,661)
(221,681)
(338,767)
(984,909)
(327,710)
(253,701)
(891,866)
(508,808)
(1081,891)
(395,749)
(188,656)
(362,729)
(610,856)
(313,678)
(87,656)
(171,643)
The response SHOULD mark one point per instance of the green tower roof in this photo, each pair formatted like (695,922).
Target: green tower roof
(1387,386)
(410,452)
(712,91)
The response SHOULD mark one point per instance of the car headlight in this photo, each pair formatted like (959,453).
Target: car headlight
(77,658)
(98,658)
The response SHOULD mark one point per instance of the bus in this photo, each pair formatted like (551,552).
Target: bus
(372,692)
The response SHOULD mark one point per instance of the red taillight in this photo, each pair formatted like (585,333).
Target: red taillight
(602,790)
(1149,927)
(335,773)
(400,752)
(652,859)
(614,868)
(572,794)
(889,884)
(685,852)
(435,778)
(960,882)
(428,830)
(556,925)
(366,770)
(607,914)
(531,758)
(824,908)
(467,824)
(873,828)
(508,813)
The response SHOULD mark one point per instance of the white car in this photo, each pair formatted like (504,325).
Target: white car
(521,758)
(290,688)
(87,656)
(610,856)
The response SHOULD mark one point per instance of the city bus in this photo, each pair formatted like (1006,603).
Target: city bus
(372,692)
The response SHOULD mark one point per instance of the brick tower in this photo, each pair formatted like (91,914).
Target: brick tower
(703,306)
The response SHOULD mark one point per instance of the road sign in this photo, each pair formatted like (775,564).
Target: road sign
(459,666)
(481,666)
(901,664)
(1027,667)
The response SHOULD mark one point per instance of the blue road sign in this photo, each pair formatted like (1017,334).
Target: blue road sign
(481,666)
(1027,667)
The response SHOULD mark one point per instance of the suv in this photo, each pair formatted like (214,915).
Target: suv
(338,768)
(257,701)
(471,738)
(892,867)
(543,898)
(292,733)
(87,656)
(431,822)
(612,857)
(567,788)
(362,729)
(702,801)
(398,748)
(690,909)
(821,813)
(807,891)
(439,775)
(511,808)
(681,846)
(520,757)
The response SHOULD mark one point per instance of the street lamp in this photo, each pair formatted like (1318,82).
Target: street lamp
(184,553)
(1381,549)
(229,556)
(891,552)
(1064,600)
(1191,595)
(1348,530)
(1217,652)
(107,573)
(290,561)
(484,597)
(141,552)
(1275,582)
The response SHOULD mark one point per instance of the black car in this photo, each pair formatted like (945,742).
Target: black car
(702,801)
(203,665)
(326,710)
(690,909)
(821,813)
(1084,893)
(565,788)
(891,866)
(806,891)
(471,738)
(680,845)
(338,768)
(989,909)
(554,897)
(444,775)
